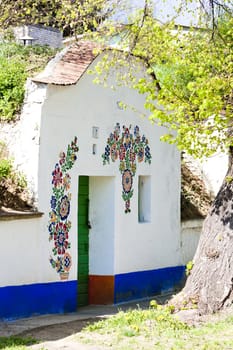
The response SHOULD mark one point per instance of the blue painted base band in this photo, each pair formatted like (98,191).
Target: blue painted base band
(37,299)
(136,285)
(61,297)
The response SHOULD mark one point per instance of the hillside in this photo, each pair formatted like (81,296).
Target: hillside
(17,63)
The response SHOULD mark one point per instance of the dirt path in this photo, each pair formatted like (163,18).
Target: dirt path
(60,336)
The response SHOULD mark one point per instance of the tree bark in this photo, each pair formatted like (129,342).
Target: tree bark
(210,283)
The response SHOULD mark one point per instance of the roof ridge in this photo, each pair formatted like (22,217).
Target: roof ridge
(69,65)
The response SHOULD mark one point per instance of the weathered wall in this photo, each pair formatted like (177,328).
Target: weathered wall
(41,35)
(211,170)
(22,138)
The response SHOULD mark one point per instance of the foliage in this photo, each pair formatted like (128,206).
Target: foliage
(12,80)
(134,322)
(16,63)
(74,17)
(191,86)
(13,183)
(157,328)
(16,342)
(11,177)
(5,168)
(189,267)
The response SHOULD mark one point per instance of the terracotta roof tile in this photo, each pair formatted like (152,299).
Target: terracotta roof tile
(70,67)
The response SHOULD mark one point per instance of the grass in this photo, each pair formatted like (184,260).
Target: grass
(153,329)
(157,328)
(16,343)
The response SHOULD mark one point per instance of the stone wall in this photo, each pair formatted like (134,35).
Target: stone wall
(41,35)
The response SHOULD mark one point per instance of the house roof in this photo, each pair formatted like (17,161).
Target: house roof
(69,65)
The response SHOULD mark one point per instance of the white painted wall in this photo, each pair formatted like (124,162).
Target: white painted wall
(190,234)
(137,246)
(22,259)
(146,246)
(102,219)
(68,111)
(215,169)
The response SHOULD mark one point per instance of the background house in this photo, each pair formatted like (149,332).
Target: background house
(35,34)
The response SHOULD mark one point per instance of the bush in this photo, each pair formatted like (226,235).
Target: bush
(5,169)
(12,80)
(17,62)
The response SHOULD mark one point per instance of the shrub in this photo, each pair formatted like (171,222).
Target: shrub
(5,168)
(17,62)
(12,80)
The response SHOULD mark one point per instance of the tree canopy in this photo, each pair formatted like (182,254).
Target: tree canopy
(191,90)
(73,17)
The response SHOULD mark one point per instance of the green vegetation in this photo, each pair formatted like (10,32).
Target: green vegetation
(189,267)
(17,62)
(5,168)
(13,184)
(74,17)
(157,328)
(15,343)
(8,174)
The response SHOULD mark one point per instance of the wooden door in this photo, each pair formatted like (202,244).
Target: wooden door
(83,240)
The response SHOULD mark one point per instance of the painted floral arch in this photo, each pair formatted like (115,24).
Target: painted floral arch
(59,224)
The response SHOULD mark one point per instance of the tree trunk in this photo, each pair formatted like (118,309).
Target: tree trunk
(210,283)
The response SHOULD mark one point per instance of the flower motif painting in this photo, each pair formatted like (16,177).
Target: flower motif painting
(64,208)
(130,148)
(59,225)
(127,181)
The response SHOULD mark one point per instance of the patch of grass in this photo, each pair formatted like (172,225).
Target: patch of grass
(157,328)
(16,343)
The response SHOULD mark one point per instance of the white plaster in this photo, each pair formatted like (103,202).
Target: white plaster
(215,169)
(21,258)
(118,242)
(190,234)
(211,170)
(102,220)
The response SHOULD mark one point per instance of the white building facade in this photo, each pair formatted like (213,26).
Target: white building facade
(108,189)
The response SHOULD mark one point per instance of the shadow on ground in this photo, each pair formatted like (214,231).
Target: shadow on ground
(58,331)
(70,324)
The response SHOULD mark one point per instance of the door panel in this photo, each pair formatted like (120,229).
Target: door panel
(83,240)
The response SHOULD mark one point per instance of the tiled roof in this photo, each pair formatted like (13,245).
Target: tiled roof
(71,65)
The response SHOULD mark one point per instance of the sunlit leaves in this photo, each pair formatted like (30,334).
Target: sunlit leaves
(71,16)
(189,80)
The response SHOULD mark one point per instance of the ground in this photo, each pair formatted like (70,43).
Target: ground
(60,336)
(67,335)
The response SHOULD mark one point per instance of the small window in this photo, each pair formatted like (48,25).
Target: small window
(144,198)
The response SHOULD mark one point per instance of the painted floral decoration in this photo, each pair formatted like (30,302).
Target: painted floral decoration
(129,147)
(59,224)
